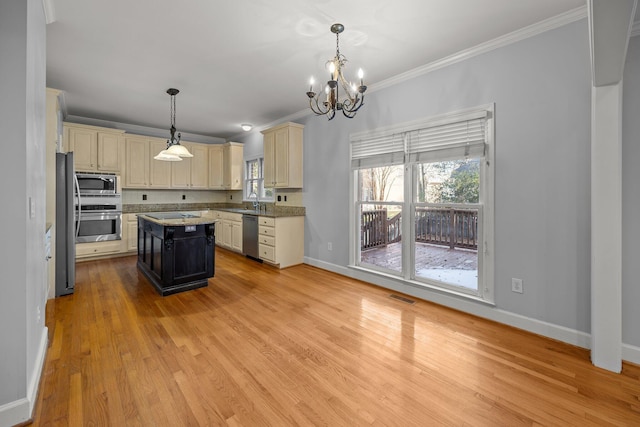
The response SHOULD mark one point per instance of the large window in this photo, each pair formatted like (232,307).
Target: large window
(423,195)
(254,181)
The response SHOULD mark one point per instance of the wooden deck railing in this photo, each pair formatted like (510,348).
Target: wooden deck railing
(440,226)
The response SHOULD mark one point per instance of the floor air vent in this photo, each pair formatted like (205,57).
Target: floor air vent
(403,299)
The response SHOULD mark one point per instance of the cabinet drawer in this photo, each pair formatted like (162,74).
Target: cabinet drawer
(267,252)
(98,248)
(267,240)
(269,222)
(266,231)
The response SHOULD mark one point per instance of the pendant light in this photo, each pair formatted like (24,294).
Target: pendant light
(174,151)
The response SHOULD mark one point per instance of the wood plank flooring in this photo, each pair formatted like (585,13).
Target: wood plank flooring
(303,346)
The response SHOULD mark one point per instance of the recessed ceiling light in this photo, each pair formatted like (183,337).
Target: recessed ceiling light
(246,127)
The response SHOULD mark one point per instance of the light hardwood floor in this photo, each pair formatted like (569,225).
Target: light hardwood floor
(303,346)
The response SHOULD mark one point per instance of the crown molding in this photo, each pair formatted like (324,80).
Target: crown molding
(516,36)
(49,11)
(142,130)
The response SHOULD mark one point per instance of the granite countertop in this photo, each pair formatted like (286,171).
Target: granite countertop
(272,211)
(176,218)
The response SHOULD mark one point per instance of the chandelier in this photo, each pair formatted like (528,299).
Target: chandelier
(328,102)
(174,151)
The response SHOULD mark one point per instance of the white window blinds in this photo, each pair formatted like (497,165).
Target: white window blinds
(448,138)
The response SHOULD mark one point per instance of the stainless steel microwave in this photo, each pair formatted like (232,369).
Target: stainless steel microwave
(97,183)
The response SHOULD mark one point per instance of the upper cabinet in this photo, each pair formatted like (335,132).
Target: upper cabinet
(192,172)
(141,169)
(233,159)
(225,166)
(283,156)
(216,165)
(95,149)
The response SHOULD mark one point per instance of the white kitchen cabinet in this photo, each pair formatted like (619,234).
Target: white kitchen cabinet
(98,249)
(159,170)
(225,166)
(281,240)
(136,162)
(232,165)
(191,173)
(141,169)
(283,156)
(216,165)
(228,230)
(95,149)
(130,232)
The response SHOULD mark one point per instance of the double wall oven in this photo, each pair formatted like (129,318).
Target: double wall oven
(98,207)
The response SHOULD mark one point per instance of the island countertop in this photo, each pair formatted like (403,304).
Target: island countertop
(176,218)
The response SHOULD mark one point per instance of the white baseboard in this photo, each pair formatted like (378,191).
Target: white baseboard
(21,410)
(631,353)
(467,305)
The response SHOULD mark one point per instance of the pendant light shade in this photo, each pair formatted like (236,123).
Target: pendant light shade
(178,150)
(167,157)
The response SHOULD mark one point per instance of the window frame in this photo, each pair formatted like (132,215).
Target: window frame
(486,261)
(260,180)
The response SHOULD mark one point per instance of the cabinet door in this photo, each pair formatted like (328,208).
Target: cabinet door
(281,158)
(83,144)
(236,236)
(108,152)
(181,171)
(130,229)
(216,167)
(226,233)
(269,160)
(159,170)
(233,162)
(137,163)
(199,166)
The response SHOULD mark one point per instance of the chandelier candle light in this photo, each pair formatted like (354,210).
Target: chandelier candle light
(174,151)
(354,95)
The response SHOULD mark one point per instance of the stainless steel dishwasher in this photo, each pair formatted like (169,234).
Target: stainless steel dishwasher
(250,236)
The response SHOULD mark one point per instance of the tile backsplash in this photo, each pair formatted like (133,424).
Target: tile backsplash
(142,197)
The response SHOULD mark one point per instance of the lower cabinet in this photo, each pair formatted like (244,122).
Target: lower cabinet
(130,232)
(229,226)
(281,240)
(98,249)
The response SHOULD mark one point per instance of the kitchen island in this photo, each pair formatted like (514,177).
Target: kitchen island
(176,251)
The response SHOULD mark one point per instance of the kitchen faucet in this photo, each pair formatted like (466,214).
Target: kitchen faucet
(256,203)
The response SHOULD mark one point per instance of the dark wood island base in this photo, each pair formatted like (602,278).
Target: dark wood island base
(176,254)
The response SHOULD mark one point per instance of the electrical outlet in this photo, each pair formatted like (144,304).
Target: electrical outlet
(329,246)
(516,285)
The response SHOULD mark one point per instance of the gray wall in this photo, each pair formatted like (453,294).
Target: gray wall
(631,196)
(541,88)
(23,266)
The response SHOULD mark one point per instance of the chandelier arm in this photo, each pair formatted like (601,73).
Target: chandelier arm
(317,110)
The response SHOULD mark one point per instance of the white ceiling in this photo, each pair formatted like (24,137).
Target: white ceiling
(249,61)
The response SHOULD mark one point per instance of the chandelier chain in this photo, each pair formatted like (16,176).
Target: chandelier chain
(173,110)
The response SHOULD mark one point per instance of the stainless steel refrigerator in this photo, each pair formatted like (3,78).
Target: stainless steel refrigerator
(65,225)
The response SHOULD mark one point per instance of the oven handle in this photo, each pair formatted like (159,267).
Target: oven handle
(75,178)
